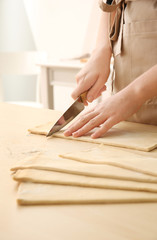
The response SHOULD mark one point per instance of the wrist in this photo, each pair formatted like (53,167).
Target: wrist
(134,93)
(145,86)
(103,52)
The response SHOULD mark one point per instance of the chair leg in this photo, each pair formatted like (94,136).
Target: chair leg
(45,89)
(1,90)
(38,89)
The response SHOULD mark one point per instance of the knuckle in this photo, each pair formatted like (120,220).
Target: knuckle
(107,125)
(80,131)
(83,119)
(92,122)
(71,128)
(78,75)
(77,78)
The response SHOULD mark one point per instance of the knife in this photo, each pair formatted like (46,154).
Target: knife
(69,114)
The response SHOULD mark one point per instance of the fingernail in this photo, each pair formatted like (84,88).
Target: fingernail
(75,134)
(67,133)
(93,136)
(90,99)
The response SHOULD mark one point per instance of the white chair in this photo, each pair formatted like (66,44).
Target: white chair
(24,64)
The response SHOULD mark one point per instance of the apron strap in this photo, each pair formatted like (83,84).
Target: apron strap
(116,30)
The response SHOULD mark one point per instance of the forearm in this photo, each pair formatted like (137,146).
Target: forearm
(94,74)
(144,87)
(102,39)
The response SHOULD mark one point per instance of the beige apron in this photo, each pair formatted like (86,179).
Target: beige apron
(133,38)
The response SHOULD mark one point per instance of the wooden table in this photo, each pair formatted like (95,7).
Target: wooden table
(71,222)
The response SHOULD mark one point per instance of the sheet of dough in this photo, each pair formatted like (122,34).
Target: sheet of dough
(43,162)
(42,176)
(34,193)
(100,155)
(125,134)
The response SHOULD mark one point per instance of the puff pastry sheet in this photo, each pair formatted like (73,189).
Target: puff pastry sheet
(33,194)
(56,164)
(125,134)
(139,162)
(49,177)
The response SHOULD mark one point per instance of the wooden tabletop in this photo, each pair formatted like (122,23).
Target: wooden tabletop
(79,222)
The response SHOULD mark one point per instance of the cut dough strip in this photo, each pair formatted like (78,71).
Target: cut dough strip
(100,155)
(33,194)
(42,162)
(49,177)
(125,134)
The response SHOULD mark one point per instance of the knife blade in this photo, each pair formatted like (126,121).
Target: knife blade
(69,114)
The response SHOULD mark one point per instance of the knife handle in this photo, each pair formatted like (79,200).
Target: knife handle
(83,96)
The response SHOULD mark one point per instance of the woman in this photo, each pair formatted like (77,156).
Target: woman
(133,43)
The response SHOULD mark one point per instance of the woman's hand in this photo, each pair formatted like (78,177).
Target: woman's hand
(118,107)
(94,74)
(106,114)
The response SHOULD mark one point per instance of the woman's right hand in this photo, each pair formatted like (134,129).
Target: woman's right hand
(94,75)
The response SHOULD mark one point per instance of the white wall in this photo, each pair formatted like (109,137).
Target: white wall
(63,28)
(16,35)
(15,32)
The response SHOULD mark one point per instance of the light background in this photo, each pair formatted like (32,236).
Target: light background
(61,28)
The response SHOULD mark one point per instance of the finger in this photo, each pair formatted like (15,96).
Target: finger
(103,89)
(84,84)
(100,92)
(79,123)
(95,89)
(79,76)
(109,123)
(80,88)
(94,122)
(74,96)
(86,111)
(85,103)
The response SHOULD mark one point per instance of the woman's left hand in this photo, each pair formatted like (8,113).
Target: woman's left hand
(106,114)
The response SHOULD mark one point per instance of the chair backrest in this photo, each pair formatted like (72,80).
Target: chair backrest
(20,63)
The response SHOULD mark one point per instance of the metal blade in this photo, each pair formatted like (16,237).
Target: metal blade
(68,116)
